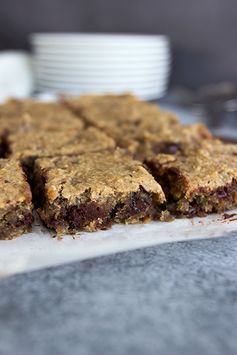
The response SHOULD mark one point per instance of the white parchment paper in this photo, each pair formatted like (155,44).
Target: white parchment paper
(39,249)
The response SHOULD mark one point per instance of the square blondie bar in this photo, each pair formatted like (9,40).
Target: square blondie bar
(151,137)
(167,139)
(34,117)
(15,200)
(27,147)
(49,116)
(104,117)
(199,179)
(94,190)
(27,116)
(78,104)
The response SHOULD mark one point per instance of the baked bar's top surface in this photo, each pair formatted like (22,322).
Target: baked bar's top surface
(11,108)
(84,101)
(170,139)
(178,132)
(46,109)
(98,175)
(143,125)
(202,167)
(14,188)
(153,137)
(50,116)
(43,144)
(121,110)
(11,124)
(31,115)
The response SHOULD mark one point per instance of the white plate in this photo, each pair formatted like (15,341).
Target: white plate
(86,39)
(109,80)
(108,58)
(92,63)
(142,94)
(101,68)
(162,85)
(100,50)
(102,72)
(79,64)
(126,75)
(104,86)
(151,94)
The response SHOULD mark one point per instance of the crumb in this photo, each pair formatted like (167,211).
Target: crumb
(229,217)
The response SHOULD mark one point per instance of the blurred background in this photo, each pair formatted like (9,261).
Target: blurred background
(202,35)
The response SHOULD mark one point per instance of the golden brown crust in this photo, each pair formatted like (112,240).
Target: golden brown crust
(29,115)
(170,139)
(76,104)
(101,173)
(10,108)
(47,144)
(112,111)
(126,114)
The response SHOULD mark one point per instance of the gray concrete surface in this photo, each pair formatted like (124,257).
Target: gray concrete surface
(171,299)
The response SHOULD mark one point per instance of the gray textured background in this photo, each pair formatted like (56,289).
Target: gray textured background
(203,32)
(171,299)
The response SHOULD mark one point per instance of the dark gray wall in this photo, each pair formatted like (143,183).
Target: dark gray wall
(203,32)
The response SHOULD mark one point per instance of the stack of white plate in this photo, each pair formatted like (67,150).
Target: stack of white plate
(102,63)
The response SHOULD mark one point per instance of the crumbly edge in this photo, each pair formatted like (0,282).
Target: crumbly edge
(94,215)
(15,220)
(202,201)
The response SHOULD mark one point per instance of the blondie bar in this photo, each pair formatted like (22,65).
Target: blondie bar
(78,104)
(103,116)
(94,190)
(168,140)
(15,200)
(199,178)
(33,116)
(29,146)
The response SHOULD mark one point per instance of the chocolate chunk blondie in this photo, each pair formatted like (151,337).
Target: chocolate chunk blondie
(94,190)
(51,116)
(29,146)
(15,200)
(199,179)
(78,104)
(168,140)
(110,112)
(27,116)
(152,137)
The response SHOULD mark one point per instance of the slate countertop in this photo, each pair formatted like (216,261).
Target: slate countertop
(170,299)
